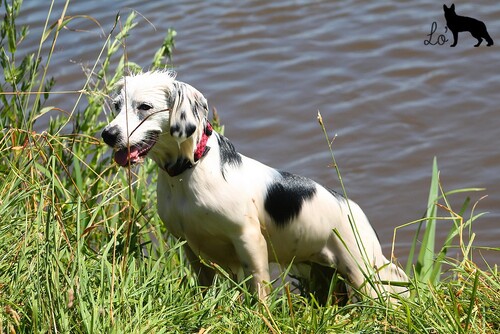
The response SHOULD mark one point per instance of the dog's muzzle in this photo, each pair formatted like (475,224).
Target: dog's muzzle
(129,154)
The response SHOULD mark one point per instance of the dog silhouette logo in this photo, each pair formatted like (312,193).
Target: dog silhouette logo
(457,23)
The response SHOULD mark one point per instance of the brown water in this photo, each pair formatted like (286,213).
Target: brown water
(268,67)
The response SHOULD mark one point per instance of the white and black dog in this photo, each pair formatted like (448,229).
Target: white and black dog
(233,210)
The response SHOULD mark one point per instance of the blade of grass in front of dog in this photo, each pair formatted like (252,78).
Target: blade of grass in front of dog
(128,25)
(357,236)
(426,254)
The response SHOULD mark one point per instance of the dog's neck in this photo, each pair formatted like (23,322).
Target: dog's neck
(181,165)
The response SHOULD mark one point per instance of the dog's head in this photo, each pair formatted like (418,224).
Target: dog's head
(157,115)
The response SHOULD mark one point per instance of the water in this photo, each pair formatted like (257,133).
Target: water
(268,67)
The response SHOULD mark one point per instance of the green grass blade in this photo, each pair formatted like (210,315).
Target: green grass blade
(426,255)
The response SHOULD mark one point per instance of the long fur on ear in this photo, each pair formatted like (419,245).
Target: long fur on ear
(187,117)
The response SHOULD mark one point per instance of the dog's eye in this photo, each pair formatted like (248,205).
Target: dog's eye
(144,106)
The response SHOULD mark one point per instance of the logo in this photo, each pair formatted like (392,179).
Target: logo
(440,40)
(456,23)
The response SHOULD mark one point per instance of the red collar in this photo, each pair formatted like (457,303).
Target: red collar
(201,150)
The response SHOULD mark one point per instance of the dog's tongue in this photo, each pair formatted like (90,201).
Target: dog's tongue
(122,156)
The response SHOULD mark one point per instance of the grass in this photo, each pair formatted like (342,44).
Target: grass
(83,251)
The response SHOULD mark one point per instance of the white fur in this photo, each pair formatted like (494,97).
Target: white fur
(218,206)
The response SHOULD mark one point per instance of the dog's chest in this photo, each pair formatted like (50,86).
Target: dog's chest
(192,209)
(201,217)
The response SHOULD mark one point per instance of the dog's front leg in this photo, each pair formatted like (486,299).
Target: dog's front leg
(251,249)
(205,274)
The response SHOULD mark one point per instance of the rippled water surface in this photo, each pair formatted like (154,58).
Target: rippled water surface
(269,66)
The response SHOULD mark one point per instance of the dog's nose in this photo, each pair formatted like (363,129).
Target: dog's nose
(111,135)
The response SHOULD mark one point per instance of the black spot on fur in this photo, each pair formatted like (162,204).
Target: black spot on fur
(286,195)
(180,91)
(175,129)
(228,154)
(196,106)
(190,129)
(179,167)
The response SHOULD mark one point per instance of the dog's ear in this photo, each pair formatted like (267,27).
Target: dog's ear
(189,109)
(187,117)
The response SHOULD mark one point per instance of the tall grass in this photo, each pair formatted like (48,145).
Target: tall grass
(83,251)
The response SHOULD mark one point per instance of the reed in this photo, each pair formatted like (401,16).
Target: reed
(83,251)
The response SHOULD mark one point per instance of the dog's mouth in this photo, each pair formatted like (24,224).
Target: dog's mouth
(136,153)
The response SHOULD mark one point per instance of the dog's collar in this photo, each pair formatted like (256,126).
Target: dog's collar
(201,150)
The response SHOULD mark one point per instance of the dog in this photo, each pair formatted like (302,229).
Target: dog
(235,211)
(458,23)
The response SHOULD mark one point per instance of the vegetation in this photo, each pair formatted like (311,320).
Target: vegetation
(83,251)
